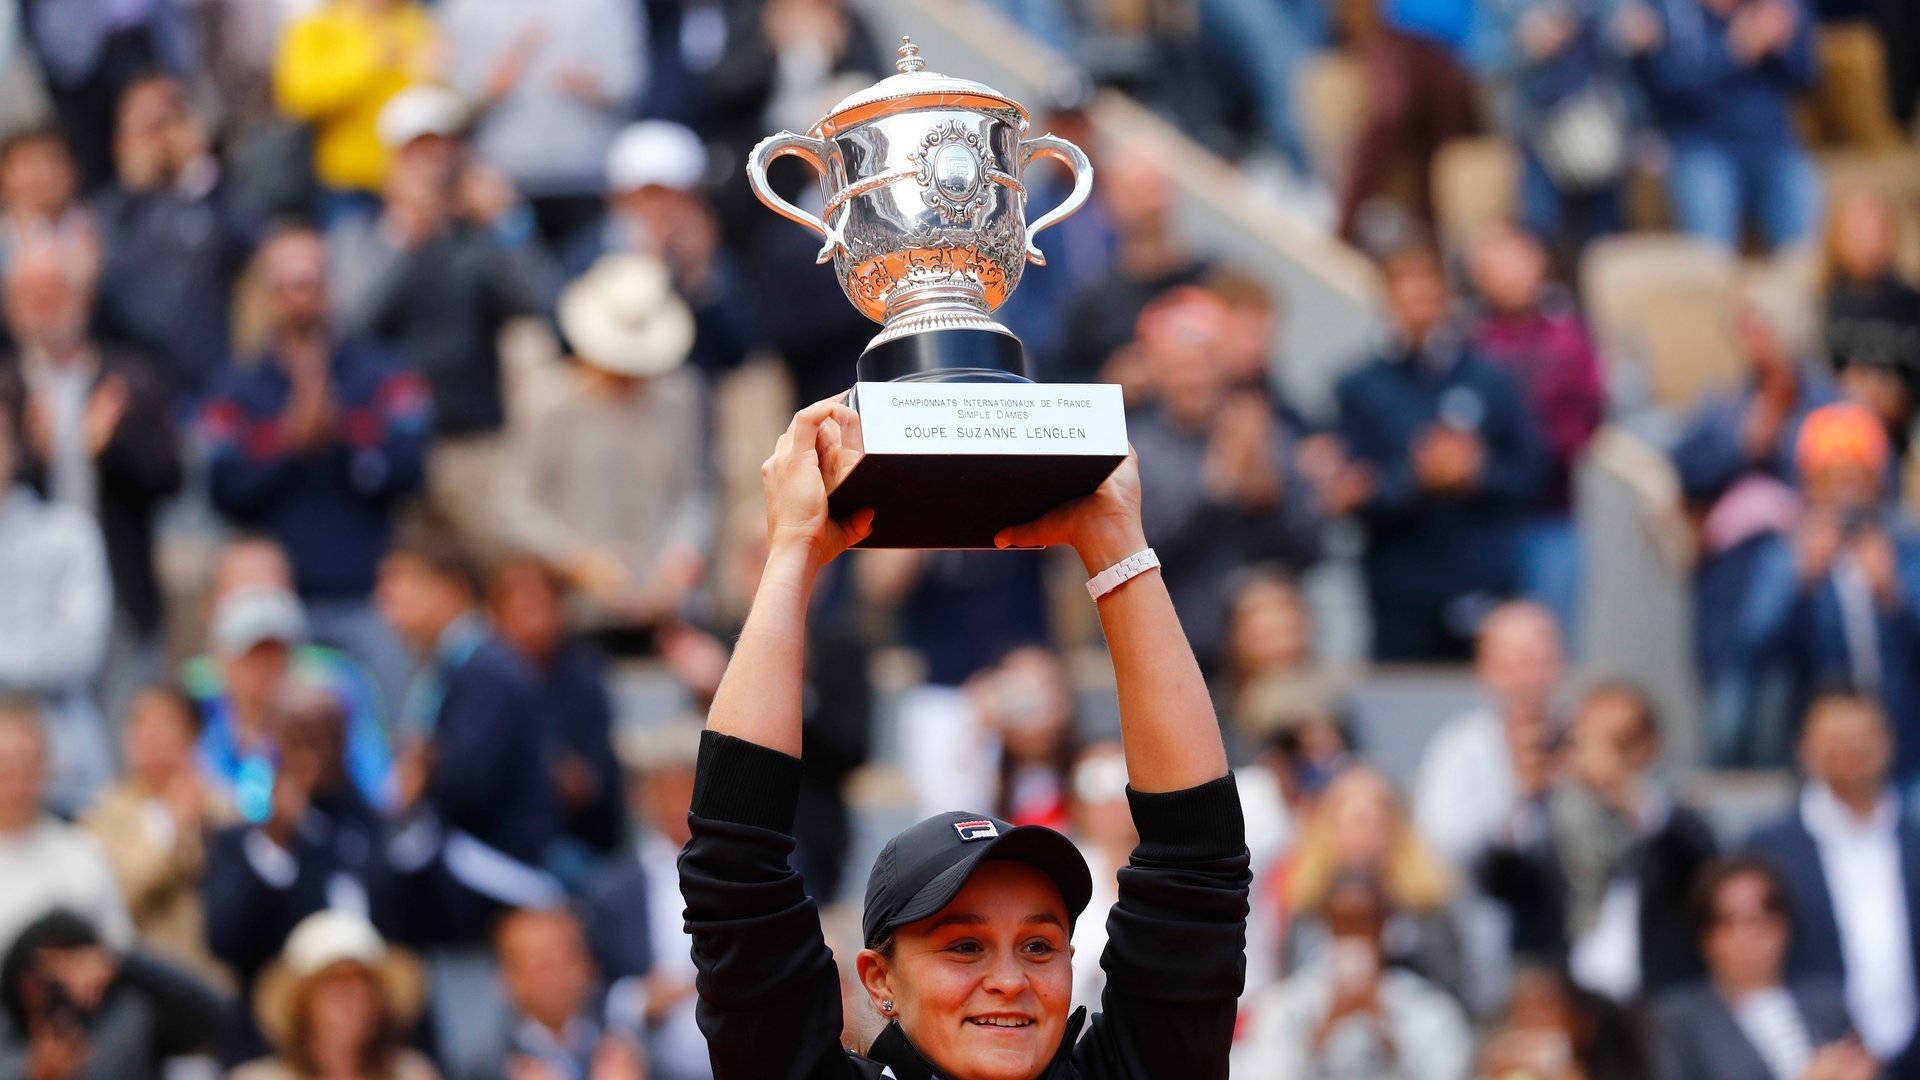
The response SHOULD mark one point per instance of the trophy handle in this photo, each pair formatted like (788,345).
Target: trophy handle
(1067,154)
(811,151)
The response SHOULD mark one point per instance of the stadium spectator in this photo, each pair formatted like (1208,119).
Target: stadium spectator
(551,85)
(657,206)
(98,435)
(1147,261)
(1532,327)
(1482,769)
(338,1003)
(1216,470)
(1103,830)
(1735,459)
(474,784)
(1750,1019)
(556,1025)
(175,234)
(152,826)
(337,67)
(91,51)
(1837,599)
(1273,680)
(56,611)
(46,862)
(1352,1015)
(1451,457)
(315,444)
(1025,707)
(610,484)
(1872,316)
(317,845)
(1266,45)
(1359,826)
(1597,880)
(1720,75)
(257,644)
(653,968)
(1553,1030)
(1561,91)
(527,602)
(39,196)
(1849,859)
(435,276)
(79,1007)
(1418,98)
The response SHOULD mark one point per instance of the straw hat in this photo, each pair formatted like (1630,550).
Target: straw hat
(321,941)
(622,316)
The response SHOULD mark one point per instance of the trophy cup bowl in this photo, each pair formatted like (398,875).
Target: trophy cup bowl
(925,223)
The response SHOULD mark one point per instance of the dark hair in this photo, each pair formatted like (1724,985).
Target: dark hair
(1634,694)
(1703,899)
(183,704)
(445,560)
(57,929)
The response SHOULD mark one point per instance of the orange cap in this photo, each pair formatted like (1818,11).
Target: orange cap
(1841,434)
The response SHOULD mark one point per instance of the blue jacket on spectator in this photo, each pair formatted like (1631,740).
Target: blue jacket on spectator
(331,510)
(1711,455)
(573,691)
(1804,626)
(1814,951)
(1425,552)
(488,790)
(168,262)
(1699,88)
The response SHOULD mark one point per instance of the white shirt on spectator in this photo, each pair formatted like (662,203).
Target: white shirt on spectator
(1861,861)
(1428,1037)
(49,865)
(1464,799)
(1771,1021)
(675,1046)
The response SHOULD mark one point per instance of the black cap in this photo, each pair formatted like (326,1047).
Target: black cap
(921,870)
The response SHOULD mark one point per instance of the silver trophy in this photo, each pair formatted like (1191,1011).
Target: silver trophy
(925,224)
(925,215)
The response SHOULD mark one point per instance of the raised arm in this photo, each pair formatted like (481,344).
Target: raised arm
(1166,717)
(769,992)
(759,697)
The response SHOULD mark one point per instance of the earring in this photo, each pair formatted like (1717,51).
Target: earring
(887,1007)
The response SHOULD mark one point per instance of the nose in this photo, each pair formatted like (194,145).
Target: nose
(1004,976)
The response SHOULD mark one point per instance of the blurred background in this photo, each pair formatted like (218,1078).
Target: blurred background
(1524,389)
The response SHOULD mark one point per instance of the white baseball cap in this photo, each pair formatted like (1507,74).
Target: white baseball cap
(420,111)
(656,153)
(247,617)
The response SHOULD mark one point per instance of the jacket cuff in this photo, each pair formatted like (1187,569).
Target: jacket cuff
(745,783)
(1194,824)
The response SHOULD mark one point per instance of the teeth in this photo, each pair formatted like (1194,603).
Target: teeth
(989,1022)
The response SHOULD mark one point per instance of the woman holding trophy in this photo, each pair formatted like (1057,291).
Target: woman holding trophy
(968,919)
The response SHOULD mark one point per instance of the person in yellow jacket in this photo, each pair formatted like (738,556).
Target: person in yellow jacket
(336,69)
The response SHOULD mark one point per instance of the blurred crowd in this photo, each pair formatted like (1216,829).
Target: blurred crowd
(381,387)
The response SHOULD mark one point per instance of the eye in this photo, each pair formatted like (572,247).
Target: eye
(1039,949)
(967,947)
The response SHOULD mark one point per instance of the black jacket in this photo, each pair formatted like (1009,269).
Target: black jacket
(136,471)
(770,995)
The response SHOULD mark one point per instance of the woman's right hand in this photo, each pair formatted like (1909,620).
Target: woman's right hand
(818,450)
(1103,527)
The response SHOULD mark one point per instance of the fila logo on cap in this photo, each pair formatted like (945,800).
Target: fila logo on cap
(975,830)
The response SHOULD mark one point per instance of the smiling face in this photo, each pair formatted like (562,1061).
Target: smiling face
(983,988)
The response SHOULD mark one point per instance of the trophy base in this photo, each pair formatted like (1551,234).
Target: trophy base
(955,355)
(950,463)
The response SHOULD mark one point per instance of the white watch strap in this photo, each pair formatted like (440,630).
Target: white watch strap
(1121,572)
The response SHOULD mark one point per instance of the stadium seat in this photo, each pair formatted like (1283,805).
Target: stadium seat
(1475,180)
(1661,306)
(1331,92)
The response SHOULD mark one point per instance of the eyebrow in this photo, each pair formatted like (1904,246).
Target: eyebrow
(968,918)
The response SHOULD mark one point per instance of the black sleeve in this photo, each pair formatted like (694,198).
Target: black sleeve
(187,1012)
(1176,954)
(769,992)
